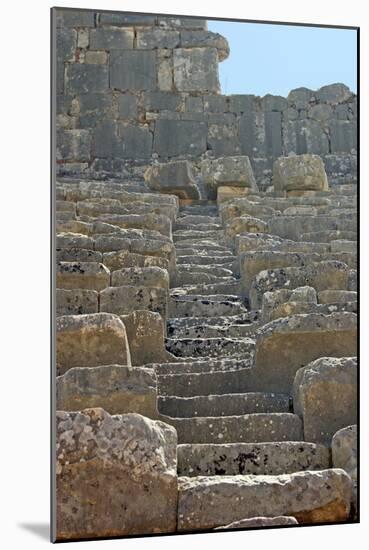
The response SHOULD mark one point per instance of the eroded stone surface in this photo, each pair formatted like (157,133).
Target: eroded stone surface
(115,388)
(325,396)
(311,497)
(90,341)
(102,461)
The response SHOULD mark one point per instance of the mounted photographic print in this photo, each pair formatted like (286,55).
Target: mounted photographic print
(204,273)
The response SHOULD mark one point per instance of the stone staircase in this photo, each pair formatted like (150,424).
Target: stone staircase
(179,313)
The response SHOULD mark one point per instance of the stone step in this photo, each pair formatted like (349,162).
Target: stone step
(218,271)
(199,244)
(207,382)
(184,235)
(320,496)
(197,219)
(274,458)
(205,306)
(208,259)
(210,347)
(205,227)
(203,330)
(202,366)
(246,428)
(195,251)
(233,404)
(231,287)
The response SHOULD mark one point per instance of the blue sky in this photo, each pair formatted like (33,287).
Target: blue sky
(278,58)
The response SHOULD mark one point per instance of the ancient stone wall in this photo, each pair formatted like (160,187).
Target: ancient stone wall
(131,89)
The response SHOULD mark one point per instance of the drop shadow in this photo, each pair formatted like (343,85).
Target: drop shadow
(42,530)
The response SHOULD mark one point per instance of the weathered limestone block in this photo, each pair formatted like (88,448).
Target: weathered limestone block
(82,78)
(136,141)
(141,276)
(196,70)
(126,20)
(299,172)
(273,458)
(343,136)
(336,296)
(103,462)
(229,192)
(326,275)
(123,258)
(311,497)
(150,39)
(145,333)
(344,455)
(244,207)
(132,70)
(286,344)
(325,394)
(271,300)
(115,388)
(155,222)
(74,18)
(234,171)
(205,39)
(90,341)
(244,224)
(76,301)
(179,137)
(123,300)
(260,521)
(111,39)
(251,263)
(300,211)
(344,449)
(156,248)
(334,93)
(256,241)
(174,177)
(340,245)
(86,275)
(73,145)
(74,240)
(78,255)
(305,136)
(96,58)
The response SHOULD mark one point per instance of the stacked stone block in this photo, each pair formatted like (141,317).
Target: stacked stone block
(132,89)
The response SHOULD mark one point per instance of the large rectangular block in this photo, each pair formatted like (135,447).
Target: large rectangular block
(111,39)
(343,136)
(133,70)
(179,137)
(66,43)
(81,78)
(87,275)
(204,502)
(325,396)
(116,475)
(74,18)
(126,19)
(156,38)
(126,299)
(304,136)
(76,301)
(90,341)
(118,389)
(284,345)
(196,69)
(136,141)
(105,142)
(73,145)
